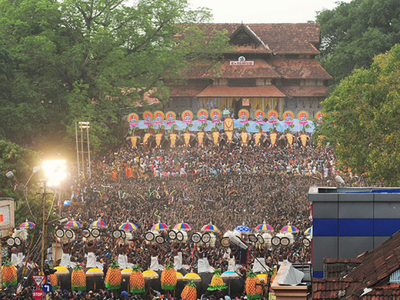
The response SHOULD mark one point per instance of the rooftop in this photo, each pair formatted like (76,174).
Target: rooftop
(279,38)
(375,268)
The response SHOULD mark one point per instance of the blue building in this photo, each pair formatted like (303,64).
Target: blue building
(350,221)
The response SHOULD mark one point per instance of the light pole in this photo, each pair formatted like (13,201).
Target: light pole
(54,173)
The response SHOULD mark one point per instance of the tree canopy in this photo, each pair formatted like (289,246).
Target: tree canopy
(353,33)
(362,120)
(80,60)
(20,162)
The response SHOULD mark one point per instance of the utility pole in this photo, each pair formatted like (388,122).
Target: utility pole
(44,194)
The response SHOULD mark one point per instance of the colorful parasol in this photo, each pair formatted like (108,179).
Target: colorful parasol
(264,227)
(243,229)
(73,224)
(192,276)
(149,274)
(289,228)
(128,226)
(99,223)
(159,226)
(60,270)
(27,224)
(262,277)
(126,272)
(91,272)
(210,228)
(179,276)
(308,231)
(229,275)
(182,226)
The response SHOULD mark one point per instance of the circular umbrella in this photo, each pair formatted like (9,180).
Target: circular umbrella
(262,277)
(128,226)
(289,228)
(308,231)
(159,226)
(182,226)
(27,224)
(264,227)
(73,224)
(149,274)
(192,276)
(61,270)
(210,228)
(126,271)
(179,276)
(229,275)
(243,229)
(92,271)
(99,223)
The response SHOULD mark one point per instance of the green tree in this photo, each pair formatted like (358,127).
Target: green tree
(89,60)
(20,162)
(17,118)
(362,120)
(353,33)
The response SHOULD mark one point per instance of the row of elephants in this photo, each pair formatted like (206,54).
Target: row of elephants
(203,139)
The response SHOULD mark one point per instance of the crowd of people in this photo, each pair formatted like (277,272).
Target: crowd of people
(227,186)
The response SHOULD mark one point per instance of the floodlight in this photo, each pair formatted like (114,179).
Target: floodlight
(54,171)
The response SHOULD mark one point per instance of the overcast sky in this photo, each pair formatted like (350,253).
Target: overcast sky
(264,11)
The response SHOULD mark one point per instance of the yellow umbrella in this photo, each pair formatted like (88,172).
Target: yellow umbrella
(149,274)
(126,272)
(93,271)
(94,275)
(179,276)
(192,276)
(60,270)
(262,277)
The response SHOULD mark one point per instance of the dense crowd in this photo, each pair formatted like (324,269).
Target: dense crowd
(229,185)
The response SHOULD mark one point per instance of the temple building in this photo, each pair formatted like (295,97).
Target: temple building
(269,67)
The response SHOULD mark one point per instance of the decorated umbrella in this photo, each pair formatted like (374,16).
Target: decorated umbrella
(210,228)
(99,224)
(264,227)
(128,226)
(63,277)
(159,226)
(149,274)
(182,226)
(192,276)
(243,229)
(308,231)
(229,275)
(73,224)
(27,224)
(179,276)
(94,278)
(289,228)
(61,270)
(262,277)
(126,274)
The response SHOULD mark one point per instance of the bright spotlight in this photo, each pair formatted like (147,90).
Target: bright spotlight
(54,171)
